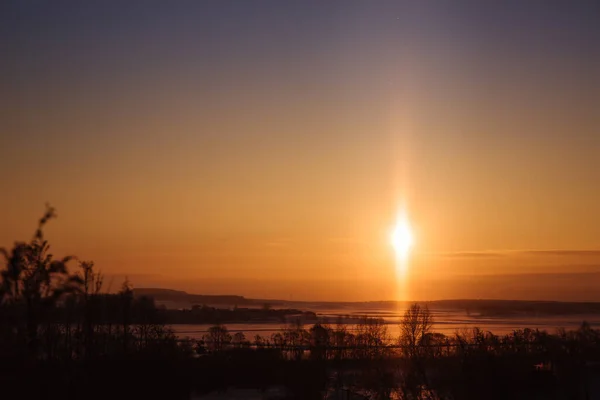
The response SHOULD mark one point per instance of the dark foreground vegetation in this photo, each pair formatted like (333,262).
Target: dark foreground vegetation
(62,337)
(202,314)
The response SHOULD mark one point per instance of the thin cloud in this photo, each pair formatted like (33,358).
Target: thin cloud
(474,254)
(508,253)
(586,253)
(498,277)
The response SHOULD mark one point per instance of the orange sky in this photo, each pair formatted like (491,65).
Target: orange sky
(267,152)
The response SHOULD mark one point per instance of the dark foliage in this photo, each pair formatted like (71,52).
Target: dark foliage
(211,315)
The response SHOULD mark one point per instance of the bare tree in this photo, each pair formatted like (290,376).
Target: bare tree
(415,339)
(91,287)
(415,330)
(218,338)
(239,340)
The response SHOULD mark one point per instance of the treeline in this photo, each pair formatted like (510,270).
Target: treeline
(210,315)
(107,309)
(422,364)
(179,296)
(504,308)
(370,339)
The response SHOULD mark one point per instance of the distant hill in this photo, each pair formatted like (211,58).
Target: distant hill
(491,308)
(154,292)
(179,296)
(506,308)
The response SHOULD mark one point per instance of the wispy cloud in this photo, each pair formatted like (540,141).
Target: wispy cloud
(587,253)
(474,254)
(508,253)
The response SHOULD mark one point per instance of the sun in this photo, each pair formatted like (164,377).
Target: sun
(402,238)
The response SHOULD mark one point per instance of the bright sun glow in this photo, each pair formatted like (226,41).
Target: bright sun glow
(402,238)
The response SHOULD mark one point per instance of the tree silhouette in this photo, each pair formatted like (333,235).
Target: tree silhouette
(415,328)
(239,339)
(35,281)
(218,338)
(415,332)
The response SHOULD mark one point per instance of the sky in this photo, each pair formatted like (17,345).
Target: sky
(266,148)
